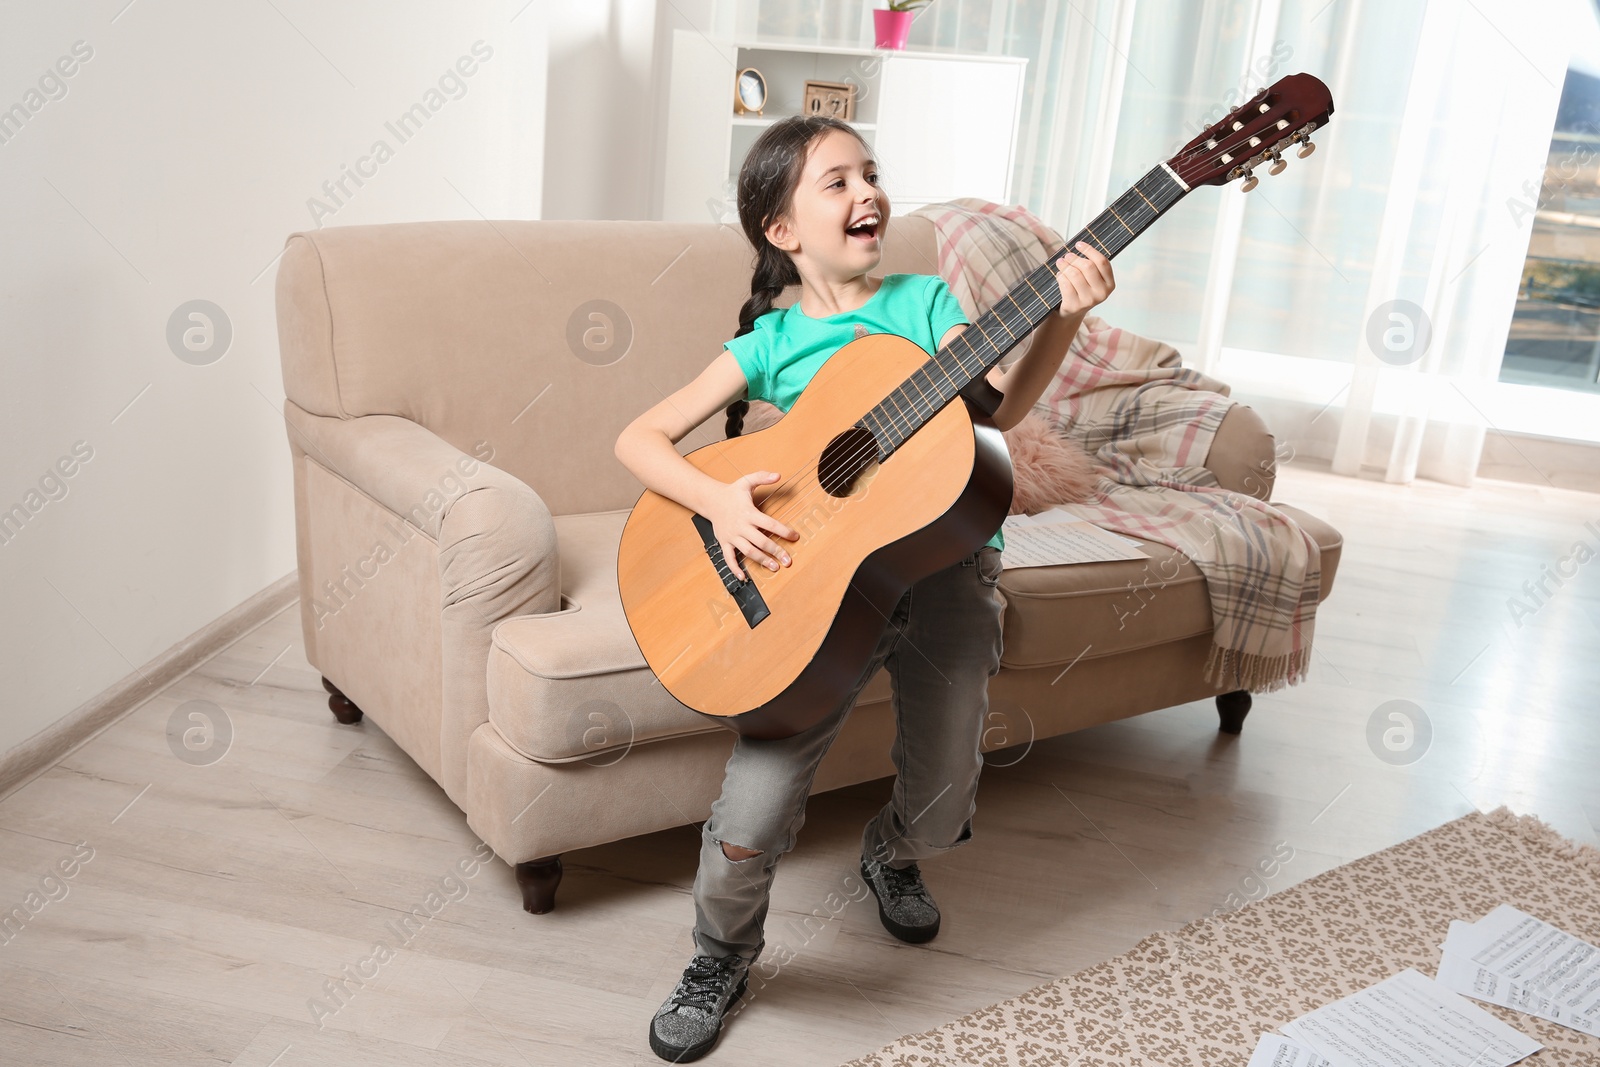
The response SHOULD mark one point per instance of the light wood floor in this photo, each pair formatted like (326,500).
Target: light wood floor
(219,899)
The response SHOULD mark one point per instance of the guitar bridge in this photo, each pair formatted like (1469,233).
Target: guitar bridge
(744,593)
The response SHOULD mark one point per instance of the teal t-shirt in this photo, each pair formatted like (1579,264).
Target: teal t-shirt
(787,346)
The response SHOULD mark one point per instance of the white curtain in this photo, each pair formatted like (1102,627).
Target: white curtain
(1363,297)
(1475,129)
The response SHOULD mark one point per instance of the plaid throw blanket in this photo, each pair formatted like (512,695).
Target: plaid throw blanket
(1148,422)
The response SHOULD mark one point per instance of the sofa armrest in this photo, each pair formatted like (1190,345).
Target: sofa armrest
(1244,457)
(496,545)
(405,466)
(1243,453)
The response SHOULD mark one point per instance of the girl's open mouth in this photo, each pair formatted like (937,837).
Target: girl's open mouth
(865,228)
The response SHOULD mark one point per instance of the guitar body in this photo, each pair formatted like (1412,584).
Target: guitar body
(773,665)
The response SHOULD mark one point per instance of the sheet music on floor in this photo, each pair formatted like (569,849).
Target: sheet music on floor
(1057,536)
(1518,961)
(1275,1051)
(1409,1020)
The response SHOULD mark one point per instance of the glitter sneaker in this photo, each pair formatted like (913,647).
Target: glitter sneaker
(904,904)
(689,1023)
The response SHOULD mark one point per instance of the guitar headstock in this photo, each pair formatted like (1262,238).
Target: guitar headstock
(1262,128)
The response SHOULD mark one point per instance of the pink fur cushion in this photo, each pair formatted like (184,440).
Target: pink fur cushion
(1048,468)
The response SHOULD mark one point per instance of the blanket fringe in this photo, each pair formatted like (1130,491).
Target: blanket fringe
(1230,669)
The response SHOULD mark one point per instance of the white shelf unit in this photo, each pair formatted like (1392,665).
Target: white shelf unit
(942,125)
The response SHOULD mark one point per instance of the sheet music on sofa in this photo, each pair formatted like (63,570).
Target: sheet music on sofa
(1057,536)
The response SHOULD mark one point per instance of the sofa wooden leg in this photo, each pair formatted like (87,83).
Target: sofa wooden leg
(538,880)
(343,710)
(1231,709)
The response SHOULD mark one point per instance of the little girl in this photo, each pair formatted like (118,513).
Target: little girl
(812,207)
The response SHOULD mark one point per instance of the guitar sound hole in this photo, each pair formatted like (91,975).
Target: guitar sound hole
(846,458)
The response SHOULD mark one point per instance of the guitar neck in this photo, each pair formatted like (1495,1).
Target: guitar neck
(979,347)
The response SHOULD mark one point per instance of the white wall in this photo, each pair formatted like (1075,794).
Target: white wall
(600,129)
(169,167)
(610,68)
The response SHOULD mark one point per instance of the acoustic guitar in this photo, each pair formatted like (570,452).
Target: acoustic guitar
(884,478)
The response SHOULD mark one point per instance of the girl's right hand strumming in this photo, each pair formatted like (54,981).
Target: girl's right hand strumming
(740,525)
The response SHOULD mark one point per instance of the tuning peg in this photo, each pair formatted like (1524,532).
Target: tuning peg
(1278,164)
(1306,149)
(1250,182)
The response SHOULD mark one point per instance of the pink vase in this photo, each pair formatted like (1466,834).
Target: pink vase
(893,27)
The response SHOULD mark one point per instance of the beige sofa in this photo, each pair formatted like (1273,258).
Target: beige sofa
(454,392)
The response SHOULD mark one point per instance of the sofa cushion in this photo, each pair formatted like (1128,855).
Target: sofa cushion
(1054,615)
(572,685)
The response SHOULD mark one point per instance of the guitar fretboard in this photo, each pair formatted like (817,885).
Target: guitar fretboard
(979,347)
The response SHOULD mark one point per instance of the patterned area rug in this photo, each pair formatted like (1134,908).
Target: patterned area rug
(1201,996)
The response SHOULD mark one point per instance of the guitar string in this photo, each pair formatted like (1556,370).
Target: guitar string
(789,508)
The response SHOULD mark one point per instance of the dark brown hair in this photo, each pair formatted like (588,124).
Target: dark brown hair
(767,181)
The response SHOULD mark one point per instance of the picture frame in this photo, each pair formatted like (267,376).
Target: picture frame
(834,99)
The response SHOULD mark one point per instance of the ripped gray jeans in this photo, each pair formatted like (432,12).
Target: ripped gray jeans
(941,646)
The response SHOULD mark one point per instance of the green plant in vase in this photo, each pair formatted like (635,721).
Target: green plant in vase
(892,24)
